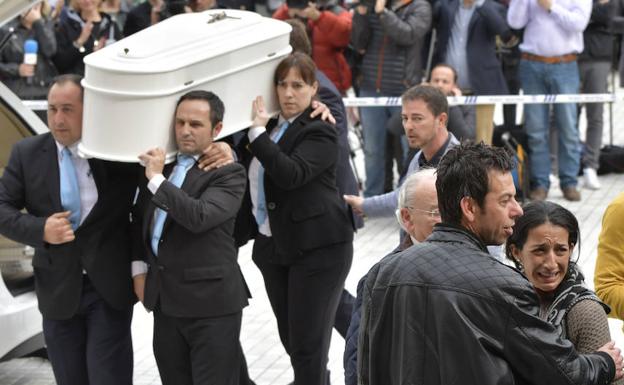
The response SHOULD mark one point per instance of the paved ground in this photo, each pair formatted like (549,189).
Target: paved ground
(268,364)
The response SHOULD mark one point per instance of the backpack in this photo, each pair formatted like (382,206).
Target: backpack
(611,160)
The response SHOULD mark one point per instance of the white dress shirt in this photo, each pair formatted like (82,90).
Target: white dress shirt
(254,166)
(550,33)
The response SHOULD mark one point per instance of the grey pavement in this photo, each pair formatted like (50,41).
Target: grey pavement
(266,358)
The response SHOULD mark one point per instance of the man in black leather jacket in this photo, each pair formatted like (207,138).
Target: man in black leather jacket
(446,312)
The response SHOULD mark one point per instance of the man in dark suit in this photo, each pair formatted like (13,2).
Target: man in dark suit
(77,219)
(467,31)
(192,282)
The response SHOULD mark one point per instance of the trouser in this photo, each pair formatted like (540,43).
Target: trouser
(374,121)
(197,351)
(593,81)
(542,78)
(304,295)
(93,347)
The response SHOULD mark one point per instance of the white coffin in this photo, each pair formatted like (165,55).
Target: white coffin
(131,86)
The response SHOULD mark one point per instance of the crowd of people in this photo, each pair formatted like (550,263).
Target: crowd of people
(441,309)
(381,48)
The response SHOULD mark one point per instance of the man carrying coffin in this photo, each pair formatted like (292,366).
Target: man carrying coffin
(77,219)
(184,221)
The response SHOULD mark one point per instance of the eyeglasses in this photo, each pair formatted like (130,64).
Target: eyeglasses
(432,213)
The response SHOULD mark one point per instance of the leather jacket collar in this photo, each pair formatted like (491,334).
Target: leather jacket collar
(446,232)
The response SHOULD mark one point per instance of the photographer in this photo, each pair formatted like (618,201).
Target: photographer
(389,34)
(329,25)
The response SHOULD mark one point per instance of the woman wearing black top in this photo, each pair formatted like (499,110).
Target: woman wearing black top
(82,29)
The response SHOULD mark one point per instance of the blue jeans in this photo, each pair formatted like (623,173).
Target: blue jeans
(374,121)
(542,78)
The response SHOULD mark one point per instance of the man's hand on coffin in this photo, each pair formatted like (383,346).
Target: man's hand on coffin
(154,162)
(260,115)
(57,229)
(218,154)
(85,33)
(319,108)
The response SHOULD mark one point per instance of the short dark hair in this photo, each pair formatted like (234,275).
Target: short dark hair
(537,213)
(69,78)
(444,65)
(302,62)
(217,109)
(433,97)
(463,172)
(299,40)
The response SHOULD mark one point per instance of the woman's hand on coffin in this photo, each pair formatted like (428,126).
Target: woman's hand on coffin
(260,115)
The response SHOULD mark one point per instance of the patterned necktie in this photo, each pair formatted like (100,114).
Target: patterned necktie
(261,212)
(70,192)
(176,178)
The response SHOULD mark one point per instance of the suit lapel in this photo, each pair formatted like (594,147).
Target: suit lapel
(99,173)
(50,167)
(187,186)
(454,8)
(473,21)
(288,139)
(192,174)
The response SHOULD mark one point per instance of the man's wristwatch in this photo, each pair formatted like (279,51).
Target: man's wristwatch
(79,47)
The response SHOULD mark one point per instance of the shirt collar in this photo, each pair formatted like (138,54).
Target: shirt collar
(72,148)
(282,119)
(196,156)
(423,162)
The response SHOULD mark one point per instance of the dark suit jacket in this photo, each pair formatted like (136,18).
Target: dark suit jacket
(102,246)
(195,273)
(304,208)
(488,20)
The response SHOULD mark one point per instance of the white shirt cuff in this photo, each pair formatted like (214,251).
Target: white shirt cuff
(255,132)
(155,182)
(138,267)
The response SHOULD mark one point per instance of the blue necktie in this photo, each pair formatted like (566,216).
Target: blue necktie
(70,192)
(261,212)
(176,178)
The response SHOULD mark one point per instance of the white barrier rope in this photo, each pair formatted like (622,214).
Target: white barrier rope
(39,105)
(491,99)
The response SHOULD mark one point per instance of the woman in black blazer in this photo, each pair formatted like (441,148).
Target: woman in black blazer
(303,236)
